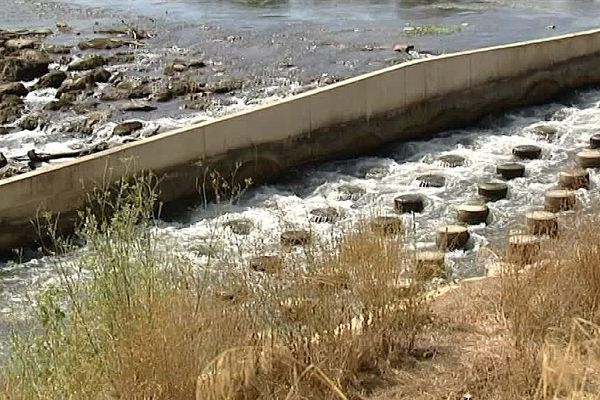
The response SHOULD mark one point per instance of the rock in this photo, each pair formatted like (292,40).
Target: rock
(74,85)
(100,75)
(13,88)
(163,95)
(52,79)
(137,106)
(403,48)
(57,49)
(63,27)
(324,215)
(3,161)
(32,122)
(101,44)
(225,86)
(177,66)
(11,108)
(87,63)
(595,141)
(140,91)
(4,130)
(58,104)
(127,128)
(113,94)
(30,64)
(121,58)
(240,226)
(21,43)
(199,103)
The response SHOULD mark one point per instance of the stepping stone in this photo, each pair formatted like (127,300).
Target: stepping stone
(266,264)
(511,170)
(545,131)
(451,237)
(559,200)
(295,238)
(430,264)
(431,180)
(574,179)
(350,192)
(241,227)
(452,160)
(595,141)
(493,191)
(542,223)
(387,225)
(523,249)
(588,159)
(409,203)
(527,152)
(324,215)
(472,214)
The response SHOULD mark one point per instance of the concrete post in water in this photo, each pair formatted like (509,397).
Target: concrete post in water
(527,152)
(559,200)
(452,237)
(492,191)
(387,225)
(452,160)
(523,249)
(431,180)
(409,203)
(542,223)
(266,264)
(429,264)
(510,171)
(472,214)
(574,179)
(589,159)
(295,238)
(595,141)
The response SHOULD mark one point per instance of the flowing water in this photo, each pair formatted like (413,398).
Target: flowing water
(338,31)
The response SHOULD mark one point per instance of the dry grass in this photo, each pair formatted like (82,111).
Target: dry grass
(132,320)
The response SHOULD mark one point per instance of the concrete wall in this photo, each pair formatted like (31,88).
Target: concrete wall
(357,115)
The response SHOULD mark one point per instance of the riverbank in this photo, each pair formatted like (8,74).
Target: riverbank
(350,320)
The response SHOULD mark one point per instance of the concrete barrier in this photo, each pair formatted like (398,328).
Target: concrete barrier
(348,118)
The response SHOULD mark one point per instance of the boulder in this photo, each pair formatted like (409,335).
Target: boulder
(52,79)
(137,106)
(101,44)
(26,66)
(87,63)
(32,122)
(13,88)
(225,86)
(21,43)
(127,128)
(99,75)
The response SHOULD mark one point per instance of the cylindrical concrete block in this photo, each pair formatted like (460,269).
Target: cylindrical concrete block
(295,238)
(409,203)
(472,214)
(595,141)
(452,160)
(527,152)
(451,237)
(387,225)
(349,192)
(559,200)
(267,264)
(588,159)
(492,191)
(542,223)
(431,180)
(240,226)
(511,170)
(574,179)
(324,215)
(523,249)
(429,264)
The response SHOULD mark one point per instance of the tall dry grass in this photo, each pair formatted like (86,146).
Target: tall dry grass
(131,319)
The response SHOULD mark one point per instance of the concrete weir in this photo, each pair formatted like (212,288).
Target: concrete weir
(351,117)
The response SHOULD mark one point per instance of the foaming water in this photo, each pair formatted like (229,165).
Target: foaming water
(361,187)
